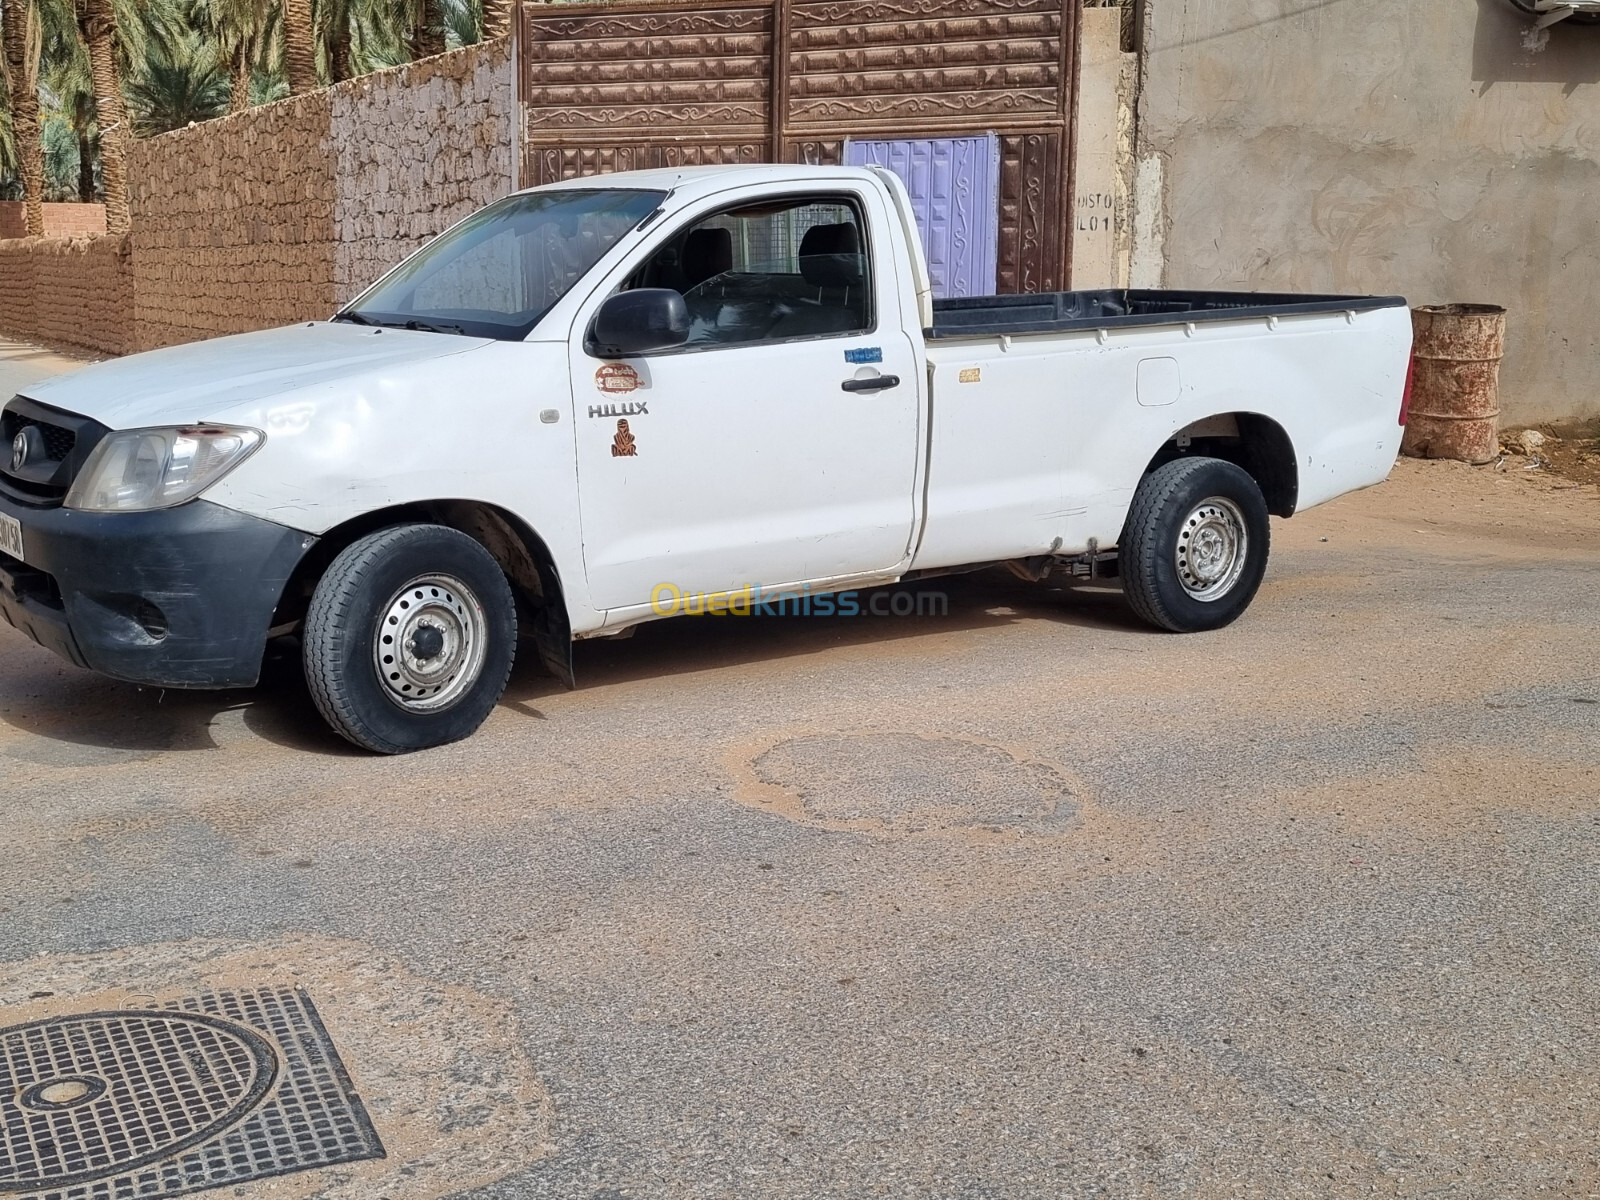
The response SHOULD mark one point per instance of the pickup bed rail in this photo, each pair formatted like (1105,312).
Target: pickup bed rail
(1061,312)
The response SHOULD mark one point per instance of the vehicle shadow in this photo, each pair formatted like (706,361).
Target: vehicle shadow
(682,645)
(75,718)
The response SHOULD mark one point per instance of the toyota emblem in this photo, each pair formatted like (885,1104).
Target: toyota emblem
(19,451)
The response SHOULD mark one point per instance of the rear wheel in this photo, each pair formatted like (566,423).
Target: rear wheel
(409,639)
(1194,548)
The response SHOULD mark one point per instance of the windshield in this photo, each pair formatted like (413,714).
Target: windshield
(495,274)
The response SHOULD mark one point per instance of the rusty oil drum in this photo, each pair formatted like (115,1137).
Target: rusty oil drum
(1455,390)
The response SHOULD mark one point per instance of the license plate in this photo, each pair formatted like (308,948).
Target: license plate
(11,537)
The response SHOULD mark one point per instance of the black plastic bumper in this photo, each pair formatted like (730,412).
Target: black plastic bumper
(182,597)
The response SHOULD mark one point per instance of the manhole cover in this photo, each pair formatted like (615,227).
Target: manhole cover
(220,1089)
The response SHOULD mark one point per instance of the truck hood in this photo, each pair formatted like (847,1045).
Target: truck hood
(203,381)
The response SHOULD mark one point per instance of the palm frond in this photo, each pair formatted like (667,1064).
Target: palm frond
(180,82)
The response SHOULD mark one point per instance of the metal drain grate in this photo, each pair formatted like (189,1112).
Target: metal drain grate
(216,1090)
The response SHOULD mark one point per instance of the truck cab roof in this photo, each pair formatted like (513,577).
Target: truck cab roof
(690,182)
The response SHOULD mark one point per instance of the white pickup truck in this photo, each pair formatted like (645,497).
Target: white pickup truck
(614,399)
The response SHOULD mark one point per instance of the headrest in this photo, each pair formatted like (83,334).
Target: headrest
(707,253)
(830,255)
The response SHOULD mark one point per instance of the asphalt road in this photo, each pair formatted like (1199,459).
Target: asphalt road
(1021,901)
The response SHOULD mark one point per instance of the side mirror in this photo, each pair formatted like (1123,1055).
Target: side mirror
(639,321)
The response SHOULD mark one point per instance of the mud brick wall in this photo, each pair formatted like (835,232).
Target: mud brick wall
(233,223)
(278,214)
(274,215)
(83,294)
(417,150)
(73,294)
(60,220)
(16,288)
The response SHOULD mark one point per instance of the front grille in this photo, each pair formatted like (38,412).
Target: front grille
(55,449)
(58,442)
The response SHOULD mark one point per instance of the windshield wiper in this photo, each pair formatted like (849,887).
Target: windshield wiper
(412,323)
(429,327)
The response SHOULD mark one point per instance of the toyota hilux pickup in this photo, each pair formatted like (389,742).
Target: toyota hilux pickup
(614,399)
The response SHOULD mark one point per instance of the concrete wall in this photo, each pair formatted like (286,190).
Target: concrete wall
(1440,149)
(60,220)
(72,294)
(1097,206)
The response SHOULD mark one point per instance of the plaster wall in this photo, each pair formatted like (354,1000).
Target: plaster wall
(1439,149)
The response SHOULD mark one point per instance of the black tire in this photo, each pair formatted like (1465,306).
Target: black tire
(350,619)
(1164,566)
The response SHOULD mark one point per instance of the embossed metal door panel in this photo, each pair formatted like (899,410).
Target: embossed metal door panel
(955,194)
(637,83)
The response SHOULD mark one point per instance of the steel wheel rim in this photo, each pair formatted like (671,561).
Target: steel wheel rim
(1212,549)
(429,643)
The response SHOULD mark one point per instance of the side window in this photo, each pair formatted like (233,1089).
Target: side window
(780,269)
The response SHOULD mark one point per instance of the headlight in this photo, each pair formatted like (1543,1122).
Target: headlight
(141,469)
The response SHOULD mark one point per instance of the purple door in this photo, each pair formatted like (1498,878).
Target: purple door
(955,194)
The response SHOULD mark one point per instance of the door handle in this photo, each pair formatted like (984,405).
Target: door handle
(877,383)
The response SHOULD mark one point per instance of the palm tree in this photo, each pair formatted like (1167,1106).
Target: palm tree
(427,28)
(244,29)
(182,82)
(10,183)
(20,30)
(336,21)
(463,22)
(381,30)
(97,22)
(8,144)
(299,46)
(67,93)
(496,18)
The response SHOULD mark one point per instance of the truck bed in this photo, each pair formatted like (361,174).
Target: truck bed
(1063,312)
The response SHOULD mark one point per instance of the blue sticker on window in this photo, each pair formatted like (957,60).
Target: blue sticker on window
(864,354)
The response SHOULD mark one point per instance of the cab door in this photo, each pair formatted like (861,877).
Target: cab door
(780,444)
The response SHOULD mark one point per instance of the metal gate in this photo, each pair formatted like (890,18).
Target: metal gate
(614,86)
(954,185)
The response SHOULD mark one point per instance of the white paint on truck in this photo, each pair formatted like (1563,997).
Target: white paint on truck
(714,465)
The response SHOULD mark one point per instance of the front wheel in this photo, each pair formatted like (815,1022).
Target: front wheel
(1194,548)
(409,639)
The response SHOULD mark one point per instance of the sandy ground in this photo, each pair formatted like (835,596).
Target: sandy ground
(1023,901)
(1571,450)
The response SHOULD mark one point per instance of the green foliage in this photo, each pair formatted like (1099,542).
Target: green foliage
(174,52)
(179,82)
(10,167)
(179,59)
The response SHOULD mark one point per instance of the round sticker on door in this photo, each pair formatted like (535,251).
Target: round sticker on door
(616,377)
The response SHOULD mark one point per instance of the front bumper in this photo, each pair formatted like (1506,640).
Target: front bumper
(182,597)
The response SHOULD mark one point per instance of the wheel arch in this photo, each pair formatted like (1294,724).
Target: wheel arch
(522,554)
(1252,441)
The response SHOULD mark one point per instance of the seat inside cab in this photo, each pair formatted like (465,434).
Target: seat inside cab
(767,273)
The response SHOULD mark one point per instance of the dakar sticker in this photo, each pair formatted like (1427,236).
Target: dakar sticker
(623,445)
(971,374)
(616,377)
